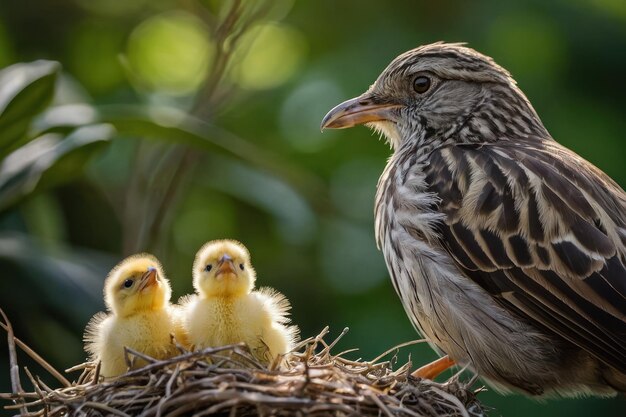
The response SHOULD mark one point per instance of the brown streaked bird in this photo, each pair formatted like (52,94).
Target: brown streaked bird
(506,248)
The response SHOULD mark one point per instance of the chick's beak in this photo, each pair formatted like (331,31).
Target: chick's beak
(357,111)
(225,265)
(148,279)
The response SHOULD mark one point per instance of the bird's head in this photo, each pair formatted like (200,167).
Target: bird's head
(136,284)
(438,92)
(222,269)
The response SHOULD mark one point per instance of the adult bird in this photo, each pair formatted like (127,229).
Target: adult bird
(507,249)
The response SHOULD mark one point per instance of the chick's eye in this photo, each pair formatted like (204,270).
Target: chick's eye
(128,283)
(421,84)
(208,267)
(241,266)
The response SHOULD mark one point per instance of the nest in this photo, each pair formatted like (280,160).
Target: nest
(229,381)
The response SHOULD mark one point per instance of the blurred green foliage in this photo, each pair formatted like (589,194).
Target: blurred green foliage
(158,125)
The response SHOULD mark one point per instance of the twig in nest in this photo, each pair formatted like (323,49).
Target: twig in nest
(41,361)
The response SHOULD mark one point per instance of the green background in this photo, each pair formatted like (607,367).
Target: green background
(260,171)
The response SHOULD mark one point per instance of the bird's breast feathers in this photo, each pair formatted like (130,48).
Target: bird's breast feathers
(219,321)
(148,333)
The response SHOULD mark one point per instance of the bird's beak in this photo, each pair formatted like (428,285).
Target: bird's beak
(357,111)
(148,279)
(225,265)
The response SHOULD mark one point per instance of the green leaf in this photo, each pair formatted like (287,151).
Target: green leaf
(63,119)
(25,90)
(57,274)
(168,124)
(51,158)
(172,125)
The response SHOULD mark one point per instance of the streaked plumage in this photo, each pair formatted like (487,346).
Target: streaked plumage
(137,294)
(227,309)
(507,250)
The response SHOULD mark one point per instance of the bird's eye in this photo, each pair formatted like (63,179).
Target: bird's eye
(208,267)
(241,266)
(128,283)
(421,84)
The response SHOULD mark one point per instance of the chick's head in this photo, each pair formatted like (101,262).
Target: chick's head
(222,269)
(136,284)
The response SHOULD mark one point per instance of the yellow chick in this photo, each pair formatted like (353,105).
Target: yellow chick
(140,316)
(227,310)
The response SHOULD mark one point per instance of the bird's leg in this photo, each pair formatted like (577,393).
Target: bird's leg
(433,369)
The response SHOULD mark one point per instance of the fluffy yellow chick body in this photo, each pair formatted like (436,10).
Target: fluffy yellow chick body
(140,316)
(227,310)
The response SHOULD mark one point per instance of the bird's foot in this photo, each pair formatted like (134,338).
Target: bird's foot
(433,369)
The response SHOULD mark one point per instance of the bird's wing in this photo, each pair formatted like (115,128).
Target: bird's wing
(184,301)
(544,232)
(94,336)
(277,304)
